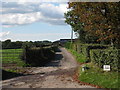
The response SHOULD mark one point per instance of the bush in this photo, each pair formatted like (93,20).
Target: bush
(54,47)
(106,57)
(38,56)
(85,49)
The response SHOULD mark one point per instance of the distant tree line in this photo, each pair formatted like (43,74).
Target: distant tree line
(8,44)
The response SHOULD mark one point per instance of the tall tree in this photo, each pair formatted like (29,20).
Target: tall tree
(100,19)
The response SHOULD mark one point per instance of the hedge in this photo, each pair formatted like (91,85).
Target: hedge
(106,57)
(38,56)
(85,48)
(98,54)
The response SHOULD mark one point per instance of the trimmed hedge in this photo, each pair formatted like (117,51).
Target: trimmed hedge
(98,54)
(38,56)
(85,48)
(106,57)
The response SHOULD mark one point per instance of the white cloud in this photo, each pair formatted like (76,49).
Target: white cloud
(19,19)
(4,34)
(26,1)
(14,13)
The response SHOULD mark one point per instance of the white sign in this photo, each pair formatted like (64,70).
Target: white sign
(106,67)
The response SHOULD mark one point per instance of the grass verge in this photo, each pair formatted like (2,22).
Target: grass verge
(79,57)
(97,76)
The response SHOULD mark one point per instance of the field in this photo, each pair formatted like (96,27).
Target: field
(11,56)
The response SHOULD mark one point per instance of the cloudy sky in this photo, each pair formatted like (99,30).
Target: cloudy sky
(33,21)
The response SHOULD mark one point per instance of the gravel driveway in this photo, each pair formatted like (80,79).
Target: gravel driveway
(56,74)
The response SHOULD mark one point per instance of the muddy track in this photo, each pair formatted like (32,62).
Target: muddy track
(56,74)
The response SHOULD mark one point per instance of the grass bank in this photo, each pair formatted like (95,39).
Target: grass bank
(79,57)
(97,76)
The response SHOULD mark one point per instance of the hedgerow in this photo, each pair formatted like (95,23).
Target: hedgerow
(38,56)
(106,57)
(85,48)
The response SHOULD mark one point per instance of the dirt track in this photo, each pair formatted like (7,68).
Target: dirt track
(57,74)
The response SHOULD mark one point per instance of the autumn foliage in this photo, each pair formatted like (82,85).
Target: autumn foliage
(99,20)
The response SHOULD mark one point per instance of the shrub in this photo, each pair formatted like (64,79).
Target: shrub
(106,57)
(38,56)
(85,49)
(54,47)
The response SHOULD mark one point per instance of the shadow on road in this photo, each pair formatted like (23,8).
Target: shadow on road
(8,75)
(56,62)
(58,56)
(58,50)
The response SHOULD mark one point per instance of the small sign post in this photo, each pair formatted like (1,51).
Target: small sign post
(106,67)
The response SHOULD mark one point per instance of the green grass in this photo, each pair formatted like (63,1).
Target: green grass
(11,56)
(97,76)
(79,57)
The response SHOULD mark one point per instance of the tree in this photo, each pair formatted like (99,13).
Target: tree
(99,20)
(6,43)
(73,21)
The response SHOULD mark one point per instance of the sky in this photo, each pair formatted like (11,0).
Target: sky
(33,21)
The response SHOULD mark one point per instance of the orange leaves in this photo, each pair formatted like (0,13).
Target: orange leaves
(98,32)
(100,19)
